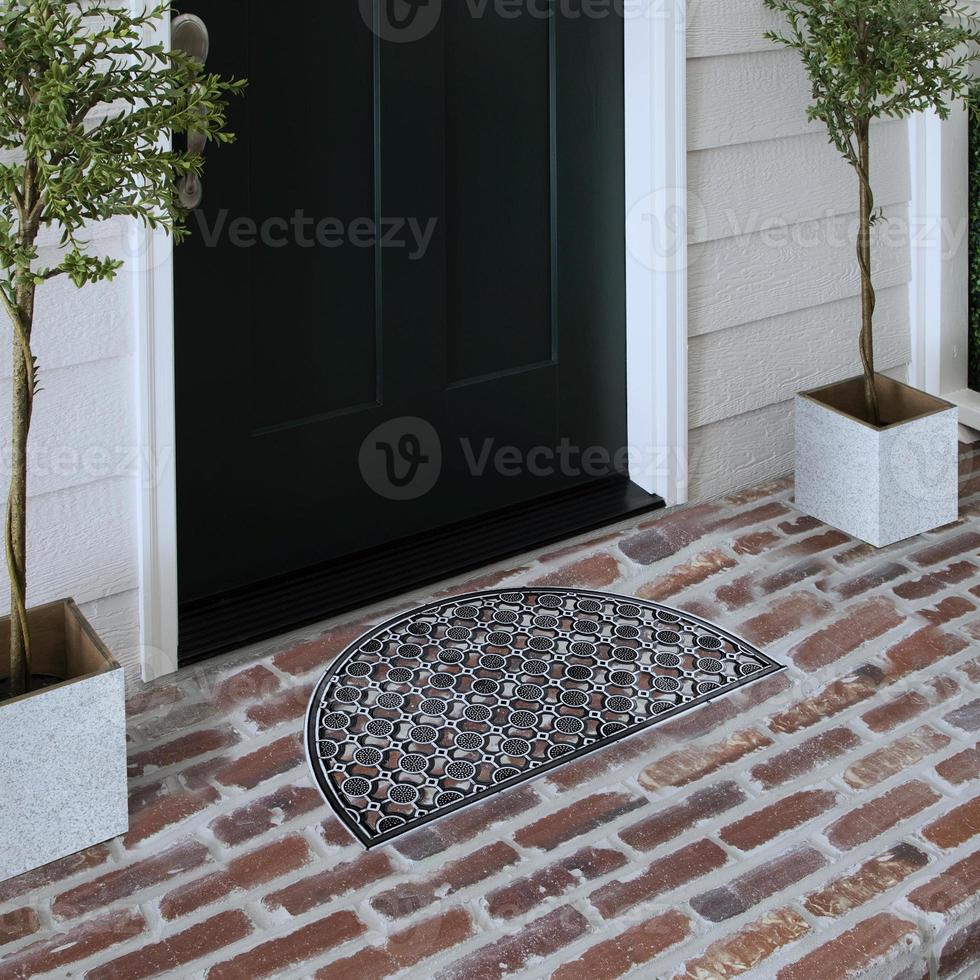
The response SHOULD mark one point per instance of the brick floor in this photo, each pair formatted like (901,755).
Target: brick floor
(823,823)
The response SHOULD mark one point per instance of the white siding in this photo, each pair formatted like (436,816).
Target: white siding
(83,481)
(773,280)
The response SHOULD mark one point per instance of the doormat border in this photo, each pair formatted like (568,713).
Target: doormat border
(369,843)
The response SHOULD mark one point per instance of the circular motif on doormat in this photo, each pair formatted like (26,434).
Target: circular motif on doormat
(452,702)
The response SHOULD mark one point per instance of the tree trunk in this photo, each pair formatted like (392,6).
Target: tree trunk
(16,529)
(868,300)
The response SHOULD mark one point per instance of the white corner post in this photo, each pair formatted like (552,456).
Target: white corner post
(152,267)
(657,237)
(939,233)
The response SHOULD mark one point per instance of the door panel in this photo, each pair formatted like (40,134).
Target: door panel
(490,304)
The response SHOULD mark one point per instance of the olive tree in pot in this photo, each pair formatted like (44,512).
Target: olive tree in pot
(86,109)
(875,457)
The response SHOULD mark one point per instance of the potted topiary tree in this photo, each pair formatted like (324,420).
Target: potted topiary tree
(874,457)
(85,109)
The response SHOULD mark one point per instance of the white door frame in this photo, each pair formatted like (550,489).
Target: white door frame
(939,290)
(656,297)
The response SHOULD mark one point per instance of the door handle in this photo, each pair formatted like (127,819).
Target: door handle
(188,33)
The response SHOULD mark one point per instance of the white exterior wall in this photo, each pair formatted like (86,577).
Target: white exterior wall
(85,477)
(773,280)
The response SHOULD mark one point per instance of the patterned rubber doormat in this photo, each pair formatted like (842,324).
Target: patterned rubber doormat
(443,706)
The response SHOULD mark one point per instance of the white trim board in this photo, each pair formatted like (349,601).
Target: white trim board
(154,316)
(939,289)
(656,299)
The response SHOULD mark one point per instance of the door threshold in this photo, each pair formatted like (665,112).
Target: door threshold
(227,621)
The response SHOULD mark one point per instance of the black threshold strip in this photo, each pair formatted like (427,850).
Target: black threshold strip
(446,705)
(234,619)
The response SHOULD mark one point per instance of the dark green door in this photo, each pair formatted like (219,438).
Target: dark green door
(403,304)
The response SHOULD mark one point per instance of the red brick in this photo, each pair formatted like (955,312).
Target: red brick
(862,623)
(955,827)
(60,950)
(755,543)
(962,767)
(154,698)
(260,816)
(946,611)
(246,871)
(740,894)
(633,947)
(819,542)
(873,878)
(783,617)
(181,749)
(948,547)
(686,576)
(896,757)
(278,955)
(688,765)
(806,757)
(595,572)
(303,895)
(666,536)
(747,948)
(966,717)
(466,824)
(958,884)
(408,897)
(836,697)
(91,857)
(251,684)
(177,950)
(579,818)
(318,654)
(675,820)
(541,938)
(924,648)
(765,824)
(18,924)
(895,712)
(285,706)
(404,949)
(878,576)
(161,725)
(265,763)
(133,878)
(934,582)
(522,895)
(595,764)
(801,525)
(660,877)
(752,494)
(960,950)
(165,814)
(845,957)
(881,814)
(763,514)
(690,725)
(748,588)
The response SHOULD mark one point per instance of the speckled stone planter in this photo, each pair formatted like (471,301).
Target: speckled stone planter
(881,485)
(62,748)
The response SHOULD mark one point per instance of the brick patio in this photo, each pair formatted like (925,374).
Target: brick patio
(822,823)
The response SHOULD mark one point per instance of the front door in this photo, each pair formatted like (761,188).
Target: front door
(402,307)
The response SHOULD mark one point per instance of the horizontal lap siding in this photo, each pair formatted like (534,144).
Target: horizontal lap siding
(773,283)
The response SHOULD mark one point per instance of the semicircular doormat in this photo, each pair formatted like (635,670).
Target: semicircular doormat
(445,705)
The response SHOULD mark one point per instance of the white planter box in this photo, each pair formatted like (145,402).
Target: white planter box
(62,748)
(881,485)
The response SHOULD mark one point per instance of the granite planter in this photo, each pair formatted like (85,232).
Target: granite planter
(63,747)
(881,485)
